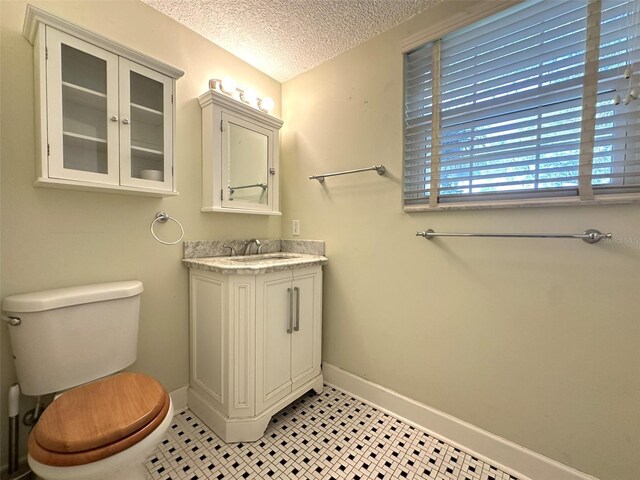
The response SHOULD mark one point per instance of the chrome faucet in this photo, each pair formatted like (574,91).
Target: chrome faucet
(232,251)
(247,246)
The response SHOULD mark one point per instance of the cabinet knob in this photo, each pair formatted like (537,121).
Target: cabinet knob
(113,118)
(126,121)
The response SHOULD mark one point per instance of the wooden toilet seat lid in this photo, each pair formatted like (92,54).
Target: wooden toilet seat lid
(100,413)
(57,459)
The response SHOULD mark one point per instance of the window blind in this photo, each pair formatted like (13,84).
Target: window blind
(521,105)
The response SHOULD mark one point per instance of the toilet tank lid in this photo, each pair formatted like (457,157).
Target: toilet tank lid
(65,297)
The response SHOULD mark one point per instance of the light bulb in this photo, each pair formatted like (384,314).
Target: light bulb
(249,96)
(228,85)
(267,104)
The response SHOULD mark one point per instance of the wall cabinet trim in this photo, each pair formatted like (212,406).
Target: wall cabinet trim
(35,16)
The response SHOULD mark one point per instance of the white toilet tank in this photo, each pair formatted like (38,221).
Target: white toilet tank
(70,336)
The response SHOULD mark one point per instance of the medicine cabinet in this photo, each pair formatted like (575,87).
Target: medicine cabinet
(106,114)
(240,157)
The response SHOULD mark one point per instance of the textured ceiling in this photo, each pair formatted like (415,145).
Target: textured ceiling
(283,38)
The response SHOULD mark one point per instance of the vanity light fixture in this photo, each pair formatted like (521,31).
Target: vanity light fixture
(249,96)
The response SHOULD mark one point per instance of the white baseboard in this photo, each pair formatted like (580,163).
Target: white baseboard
(179,398)
(508,456)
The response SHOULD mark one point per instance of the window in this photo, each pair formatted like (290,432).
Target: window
(521,108)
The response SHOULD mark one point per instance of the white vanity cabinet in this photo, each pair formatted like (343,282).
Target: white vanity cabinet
(105,112)
(255,346)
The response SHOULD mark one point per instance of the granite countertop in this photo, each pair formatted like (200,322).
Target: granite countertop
(279,255)
(255,264)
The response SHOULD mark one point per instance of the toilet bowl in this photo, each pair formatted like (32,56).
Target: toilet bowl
(102,430)
(76,340)
(125,465)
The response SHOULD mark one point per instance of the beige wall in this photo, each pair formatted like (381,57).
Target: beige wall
(53,238)
(537,341)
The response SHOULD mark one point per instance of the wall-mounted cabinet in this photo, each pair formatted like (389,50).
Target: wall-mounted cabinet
(106,114)
(240,157)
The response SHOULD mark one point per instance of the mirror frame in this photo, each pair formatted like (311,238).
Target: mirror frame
(216,107)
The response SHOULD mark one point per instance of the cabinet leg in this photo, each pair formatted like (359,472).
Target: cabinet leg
(318,385)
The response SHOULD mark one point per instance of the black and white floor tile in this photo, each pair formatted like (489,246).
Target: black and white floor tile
(318,437)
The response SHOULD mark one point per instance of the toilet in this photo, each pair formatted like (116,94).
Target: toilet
(74,342)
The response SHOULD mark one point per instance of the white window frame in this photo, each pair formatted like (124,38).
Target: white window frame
(461,19)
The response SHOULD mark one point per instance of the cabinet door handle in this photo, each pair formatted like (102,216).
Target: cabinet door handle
(113,118)
(290,320)
(126,121)
(296,326)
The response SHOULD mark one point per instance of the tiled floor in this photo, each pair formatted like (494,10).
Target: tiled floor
(327,436)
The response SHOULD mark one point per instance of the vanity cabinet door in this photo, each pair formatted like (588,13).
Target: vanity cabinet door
(306,340)
(288,332)
(273,338)
(82,106)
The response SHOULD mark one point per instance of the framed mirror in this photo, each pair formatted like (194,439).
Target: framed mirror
(240,147)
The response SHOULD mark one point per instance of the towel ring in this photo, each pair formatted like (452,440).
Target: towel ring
(162,217)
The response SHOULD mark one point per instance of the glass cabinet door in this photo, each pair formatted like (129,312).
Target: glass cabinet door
(146,127)
(82,101)
(246,164)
